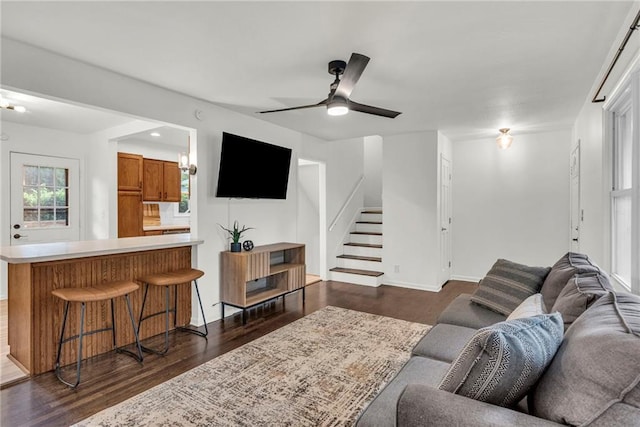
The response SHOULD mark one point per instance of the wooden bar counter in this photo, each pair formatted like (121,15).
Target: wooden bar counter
(35,315)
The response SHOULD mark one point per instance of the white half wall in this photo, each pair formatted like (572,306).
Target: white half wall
(410,253)
(373,172)
(511,204)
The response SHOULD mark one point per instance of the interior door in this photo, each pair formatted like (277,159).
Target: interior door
(576,213)
(445,220)
(44,199)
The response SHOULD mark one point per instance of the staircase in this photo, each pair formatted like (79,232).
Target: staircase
(361,260)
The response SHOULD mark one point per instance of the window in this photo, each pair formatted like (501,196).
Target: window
(624,194)
(45,196)
(183,208)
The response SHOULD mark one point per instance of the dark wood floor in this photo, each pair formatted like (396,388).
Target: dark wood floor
(109,379)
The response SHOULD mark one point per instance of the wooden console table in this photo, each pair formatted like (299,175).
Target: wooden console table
(265,273)
(35,270)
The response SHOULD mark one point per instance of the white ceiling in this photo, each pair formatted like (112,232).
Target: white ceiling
(465,68)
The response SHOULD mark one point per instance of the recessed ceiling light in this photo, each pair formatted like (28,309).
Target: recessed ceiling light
(155,134)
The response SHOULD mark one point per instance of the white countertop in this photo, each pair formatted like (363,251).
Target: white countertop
(165,227)
(40,252)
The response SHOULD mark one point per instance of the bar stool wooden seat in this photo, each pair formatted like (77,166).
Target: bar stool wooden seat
(168,279)
(101,292)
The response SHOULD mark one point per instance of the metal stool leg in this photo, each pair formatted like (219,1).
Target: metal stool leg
(79,361)
(195,331)
(166,313)
(137,356)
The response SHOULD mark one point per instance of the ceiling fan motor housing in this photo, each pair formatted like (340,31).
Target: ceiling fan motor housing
(337,67)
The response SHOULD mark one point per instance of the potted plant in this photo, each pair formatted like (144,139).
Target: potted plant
(236,234)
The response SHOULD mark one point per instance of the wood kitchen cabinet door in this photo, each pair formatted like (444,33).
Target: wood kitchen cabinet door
(130,172)
(171,182)
(130,214)
(153,180)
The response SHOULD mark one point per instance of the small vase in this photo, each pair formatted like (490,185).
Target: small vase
(236,247)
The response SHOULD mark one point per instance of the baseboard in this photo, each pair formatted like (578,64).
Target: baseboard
(418,286)
(466,278)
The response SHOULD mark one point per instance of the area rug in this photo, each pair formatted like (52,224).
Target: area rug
(321,370)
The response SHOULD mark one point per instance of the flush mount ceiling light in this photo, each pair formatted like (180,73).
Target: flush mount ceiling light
(154,134)
(504,140)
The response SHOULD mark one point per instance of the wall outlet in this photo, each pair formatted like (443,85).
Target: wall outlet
(396,268)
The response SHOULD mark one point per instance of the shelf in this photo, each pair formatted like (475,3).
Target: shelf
(261,295)
(279,268)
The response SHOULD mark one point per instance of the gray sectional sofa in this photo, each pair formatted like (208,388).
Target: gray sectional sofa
(532,346)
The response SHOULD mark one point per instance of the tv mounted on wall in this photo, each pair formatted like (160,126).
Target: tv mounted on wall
(252,169)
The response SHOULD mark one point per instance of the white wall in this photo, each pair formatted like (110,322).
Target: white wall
(84,84)
(511,204)
(409,197)
(373,171)
(345,167)
(594,167)
(309,214)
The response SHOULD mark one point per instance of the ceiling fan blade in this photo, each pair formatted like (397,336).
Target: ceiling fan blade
(355,67)
(354,106)
(319,104)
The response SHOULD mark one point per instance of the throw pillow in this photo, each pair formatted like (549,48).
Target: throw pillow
(507,284)
(580,293)
(532,306)
(565,268)
(596,374)
(503,361)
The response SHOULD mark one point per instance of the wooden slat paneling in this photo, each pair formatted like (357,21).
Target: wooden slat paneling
(82,272)
(20,313)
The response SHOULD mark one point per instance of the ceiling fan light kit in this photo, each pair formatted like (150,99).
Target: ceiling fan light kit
(338,102)
(337,107)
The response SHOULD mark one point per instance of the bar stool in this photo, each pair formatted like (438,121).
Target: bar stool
(171,278)
(101,292)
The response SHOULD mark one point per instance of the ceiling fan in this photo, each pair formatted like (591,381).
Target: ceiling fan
(338,102)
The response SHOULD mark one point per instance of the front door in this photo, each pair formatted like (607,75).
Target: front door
(44,199)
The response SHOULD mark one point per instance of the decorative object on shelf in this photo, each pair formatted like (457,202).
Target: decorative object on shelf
(235,234)
(247,245)
(504,140)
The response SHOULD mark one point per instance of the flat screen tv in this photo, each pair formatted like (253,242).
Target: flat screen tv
(252,169)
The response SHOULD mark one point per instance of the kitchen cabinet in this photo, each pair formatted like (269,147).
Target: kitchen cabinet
(161,181)
(130,214)
(130,172)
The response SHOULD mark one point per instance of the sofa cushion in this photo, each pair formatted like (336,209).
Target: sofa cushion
(507,284)
(381,412)
(502,362)
(532,306)
(462,312)
(597,368)
(443,342)
(581,291)
(565,268)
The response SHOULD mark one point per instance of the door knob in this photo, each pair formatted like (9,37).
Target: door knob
(16,226)
(575,240)
(17,236)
